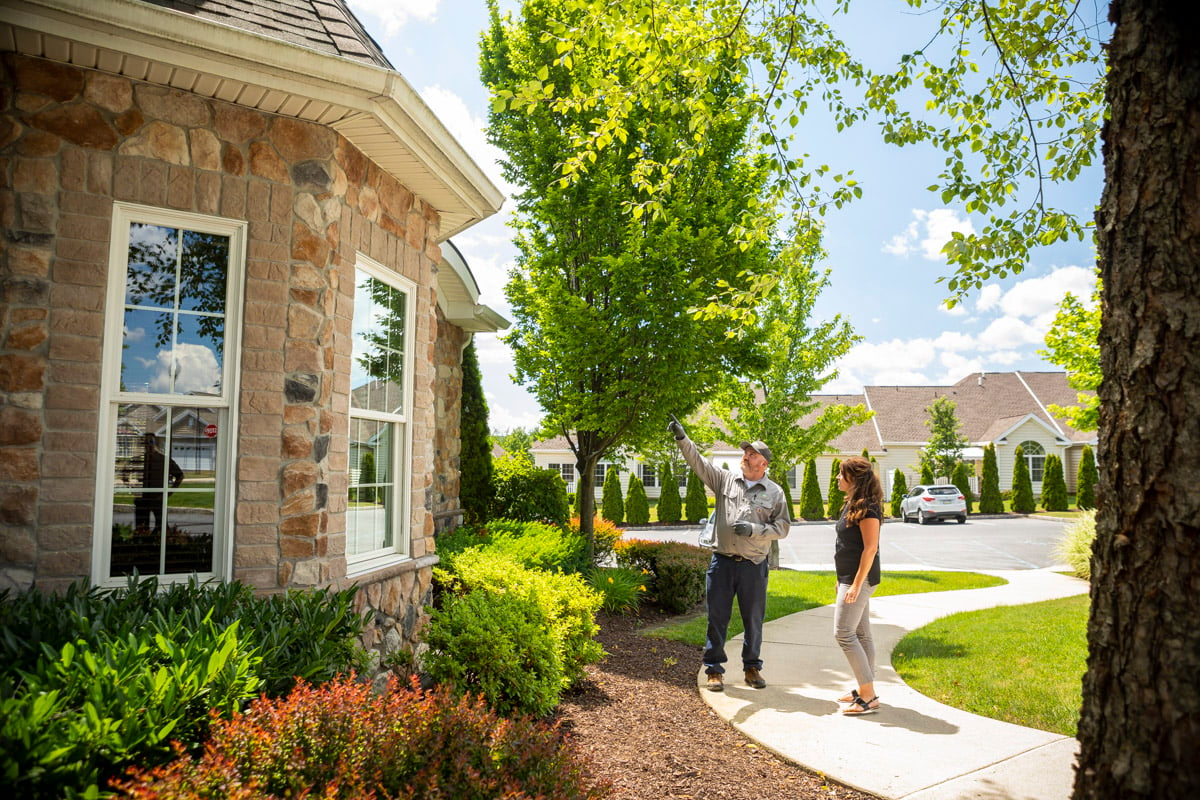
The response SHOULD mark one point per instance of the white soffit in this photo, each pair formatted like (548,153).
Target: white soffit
(374,108)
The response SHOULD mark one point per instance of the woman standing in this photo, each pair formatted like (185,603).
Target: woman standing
(856,559)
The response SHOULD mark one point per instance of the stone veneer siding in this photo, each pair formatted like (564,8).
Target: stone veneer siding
(72,141)
(447,441)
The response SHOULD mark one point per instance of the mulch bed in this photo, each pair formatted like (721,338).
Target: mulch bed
(640,721)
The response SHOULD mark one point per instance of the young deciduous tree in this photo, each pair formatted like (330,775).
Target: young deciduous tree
(1085,481)
(1073,344)
(670,509)
(1022,484)
(601,290)
(475,454)
(990,499)
(944,448)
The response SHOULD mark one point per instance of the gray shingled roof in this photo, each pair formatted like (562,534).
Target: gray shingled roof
(324,25)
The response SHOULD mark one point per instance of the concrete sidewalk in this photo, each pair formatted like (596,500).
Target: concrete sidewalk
(913,748)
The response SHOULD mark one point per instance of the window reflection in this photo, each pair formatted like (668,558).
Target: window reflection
(380,324)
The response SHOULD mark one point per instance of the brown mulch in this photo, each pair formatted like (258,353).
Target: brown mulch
(640,721)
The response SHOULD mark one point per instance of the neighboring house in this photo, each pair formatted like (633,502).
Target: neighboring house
(226,233)
(1006,409)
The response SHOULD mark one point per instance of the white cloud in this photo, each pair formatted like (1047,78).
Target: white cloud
(1037,296)
(957,366)
(989,297)
(468,130)
(954,341)
(957,310)
(1007,333)
(928,233)
(395,13)
(196,370)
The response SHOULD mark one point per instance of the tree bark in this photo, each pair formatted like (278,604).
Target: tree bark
(1139,730)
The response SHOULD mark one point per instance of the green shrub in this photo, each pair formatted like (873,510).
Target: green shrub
(342,741)
(94,679)
(899,489)
(812,507)
(1076,545)
(836,496)
(564,601)
(496,645)
(962,481)
(524,492)
(695,503)
(637,505)
(604,536)
(536,545)
(991,501)
(677,570)
(1022,486)
(927,472)
(670,506)
(1085,482)
(1054,485)
(612,506)
(620,588)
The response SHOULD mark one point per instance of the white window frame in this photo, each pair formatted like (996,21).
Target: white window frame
(401,464)
(1030,458)
(565,470)
(645,470)
(111,396)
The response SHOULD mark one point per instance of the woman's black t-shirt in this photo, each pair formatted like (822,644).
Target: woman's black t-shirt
(849,549)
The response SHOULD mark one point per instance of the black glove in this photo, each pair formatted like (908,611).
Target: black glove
(743,528)
(675,428)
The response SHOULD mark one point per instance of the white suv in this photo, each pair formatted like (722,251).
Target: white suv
(934,502)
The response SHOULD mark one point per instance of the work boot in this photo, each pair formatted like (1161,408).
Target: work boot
(754,679)
(715,682)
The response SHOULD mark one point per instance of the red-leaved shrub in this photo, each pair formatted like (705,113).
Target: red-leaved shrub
(342,740)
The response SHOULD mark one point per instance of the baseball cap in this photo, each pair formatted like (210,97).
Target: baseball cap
(759,447)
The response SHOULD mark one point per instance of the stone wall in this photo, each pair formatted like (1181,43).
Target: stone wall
(74,141)
(447,442)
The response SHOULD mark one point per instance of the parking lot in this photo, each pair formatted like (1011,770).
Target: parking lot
(982,543)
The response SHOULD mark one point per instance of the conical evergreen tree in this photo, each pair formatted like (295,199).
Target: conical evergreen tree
(695,504)
(836,496)
(927,473)
(670,509)
(1022,486)
(811,505)
(1054,485)
(990,500)
(475,454)
(899,489)
(637,505)
(1085,482)
(612,505)
(786,485)
(962,479)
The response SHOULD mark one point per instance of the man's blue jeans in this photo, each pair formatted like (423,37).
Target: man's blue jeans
(746,581)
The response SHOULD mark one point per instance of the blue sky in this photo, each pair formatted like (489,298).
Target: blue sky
(883,249)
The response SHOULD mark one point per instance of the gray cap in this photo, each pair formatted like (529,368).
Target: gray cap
(758,446)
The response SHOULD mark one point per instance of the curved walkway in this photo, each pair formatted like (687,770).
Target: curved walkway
(915,748)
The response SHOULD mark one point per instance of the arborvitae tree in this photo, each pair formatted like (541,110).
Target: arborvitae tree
(475,454)
(927,473)
(786,485)
(695,504)
(899,489)
(1022,486)
(637,505)
(669,507)
(1085,482)
(836,496)
(866,454)
(811,505)
(366,475)
(990,501)
(962,479)
(1054,485)
(612,505)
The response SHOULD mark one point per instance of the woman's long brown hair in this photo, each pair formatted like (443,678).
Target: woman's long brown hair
(865,490)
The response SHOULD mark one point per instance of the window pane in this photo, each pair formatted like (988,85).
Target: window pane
(369,521)
(150,277)
(380,314)
(146,364)
(198,354)
(162,513)
(204,263)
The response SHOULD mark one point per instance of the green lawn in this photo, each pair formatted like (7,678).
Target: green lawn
(789,591)
(1020,664)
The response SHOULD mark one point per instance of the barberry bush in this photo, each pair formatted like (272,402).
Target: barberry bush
(343,741)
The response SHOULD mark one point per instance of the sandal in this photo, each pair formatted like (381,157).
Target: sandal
(859,707)
(849,698)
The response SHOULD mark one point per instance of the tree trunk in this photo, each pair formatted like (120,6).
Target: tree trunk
(1139,729)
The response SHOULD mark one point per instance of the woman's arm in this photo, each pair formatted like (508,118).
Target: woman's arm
(870,536)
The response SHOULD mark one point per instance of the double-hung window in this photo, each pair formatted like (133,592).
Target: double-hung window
(377,514)
(168,384)
(567,471)
(649,476)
